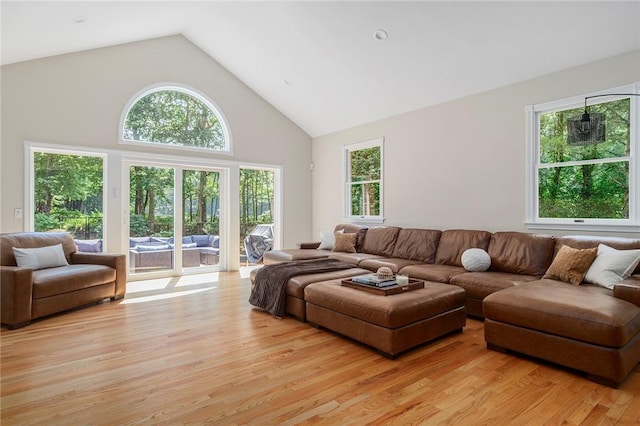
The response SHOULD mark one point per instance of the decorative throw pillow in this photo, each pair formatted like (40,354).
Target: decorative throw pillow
(571,265)
(327,240)
(612,266)
(475,260)
(41,257)
(345,242)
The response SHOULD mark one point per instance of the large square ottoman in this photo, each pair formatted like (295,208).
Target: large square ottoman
(391,324)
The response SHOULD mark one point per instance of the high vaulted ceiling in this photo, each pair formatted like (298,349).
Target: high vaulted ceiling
(319,62)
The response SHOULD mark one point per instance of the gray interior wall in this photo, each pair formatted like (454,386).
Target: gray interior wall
(460,164)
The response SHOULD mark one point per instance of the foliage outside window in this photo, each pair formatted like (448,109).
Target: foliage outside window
(175,117)
(68,191)
(586,182)
(364,180)
(256,198)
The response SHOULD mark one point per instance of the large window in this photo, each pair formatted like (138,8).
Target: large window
(364,174)
(68,191)
(585,177)
(175,117)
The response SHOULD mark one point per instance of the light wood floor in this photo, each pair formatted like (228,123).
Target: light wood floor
(193,351)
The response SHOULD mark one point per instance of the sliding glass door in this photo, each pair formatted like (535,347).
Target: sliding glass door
(174,219)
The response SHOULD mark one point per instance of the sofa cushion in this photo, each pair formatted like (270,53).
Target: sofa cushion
(200,240)
(152,247)
(134,241)
(40,257)
(296,285)
(435,273)
(571,265)
(278,256)
(454,242)
(89,246)
(380,240)
(345,242)
(327,240)
(582,242)
(586,313)
(479,285)
(351,228)
(521,253)
(353,258)
(612,266)
(417,244)
(65,279)
(395,263)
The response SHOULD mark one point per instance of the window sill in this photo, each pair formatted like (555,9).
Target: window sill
(365,220)
(589,227)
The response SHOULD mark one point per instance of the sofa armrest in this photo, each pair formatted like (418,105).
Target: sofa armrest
(116,261)
(629,291)
(16,285)
(311,245)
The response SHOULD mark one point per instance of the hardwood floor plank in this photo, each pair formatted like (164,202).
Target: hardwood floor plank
(193,351)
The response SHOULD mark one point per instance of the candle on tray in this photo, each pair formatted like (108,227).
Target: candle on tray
(402,279)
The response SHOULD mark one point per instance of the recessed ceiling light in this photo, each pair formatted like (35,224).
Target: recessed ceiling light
(79,19)
(380,35)
(287,82)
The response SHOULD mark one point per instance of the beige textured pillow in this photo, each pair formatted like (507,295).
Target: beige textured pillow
(345,242)
(571,265)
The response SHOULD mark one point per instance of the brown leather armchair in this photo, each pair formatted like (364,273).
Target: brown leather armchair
(28,294)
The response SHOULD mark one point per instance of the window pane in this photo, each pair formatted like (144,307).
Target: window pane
(174,118)
(200,218)
(151,236)
(365,199)
(554,147)
(256,213)
(68,196)
(365,164)
(589,191)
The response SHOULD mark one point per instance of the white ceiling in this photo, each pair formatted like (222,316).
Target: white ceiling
(318,62)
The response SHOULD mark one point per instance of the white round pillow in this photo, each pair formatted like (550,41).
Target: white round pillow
(476,260)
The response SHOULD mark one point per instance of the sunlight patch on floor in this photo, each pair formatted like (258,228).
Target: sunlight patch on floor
(169,283)
(246,270)
(142,299)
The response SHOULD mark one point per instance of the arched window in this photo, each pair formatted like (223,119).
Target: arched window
(175,117)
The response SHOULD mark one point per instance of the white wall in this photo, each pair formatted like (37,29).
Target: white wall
(77,100)
(460,164)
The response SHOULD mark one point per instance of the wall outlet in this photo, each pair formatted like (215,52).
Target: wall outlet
(17,213)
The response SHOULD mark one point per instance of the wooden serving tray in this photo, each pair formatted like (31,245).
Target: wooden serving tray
(385,291)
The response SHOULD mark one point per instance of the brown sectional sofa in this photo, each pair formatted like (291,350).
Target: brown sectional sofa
(523,313)
(29,294)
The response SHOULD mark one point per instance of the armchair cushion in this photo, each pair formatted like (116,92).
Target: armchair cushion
(40,257)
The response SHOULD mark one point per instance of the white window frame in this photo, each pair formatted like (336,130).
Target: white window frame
(533,112)
(228,150)
(347,181)
(30,149)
